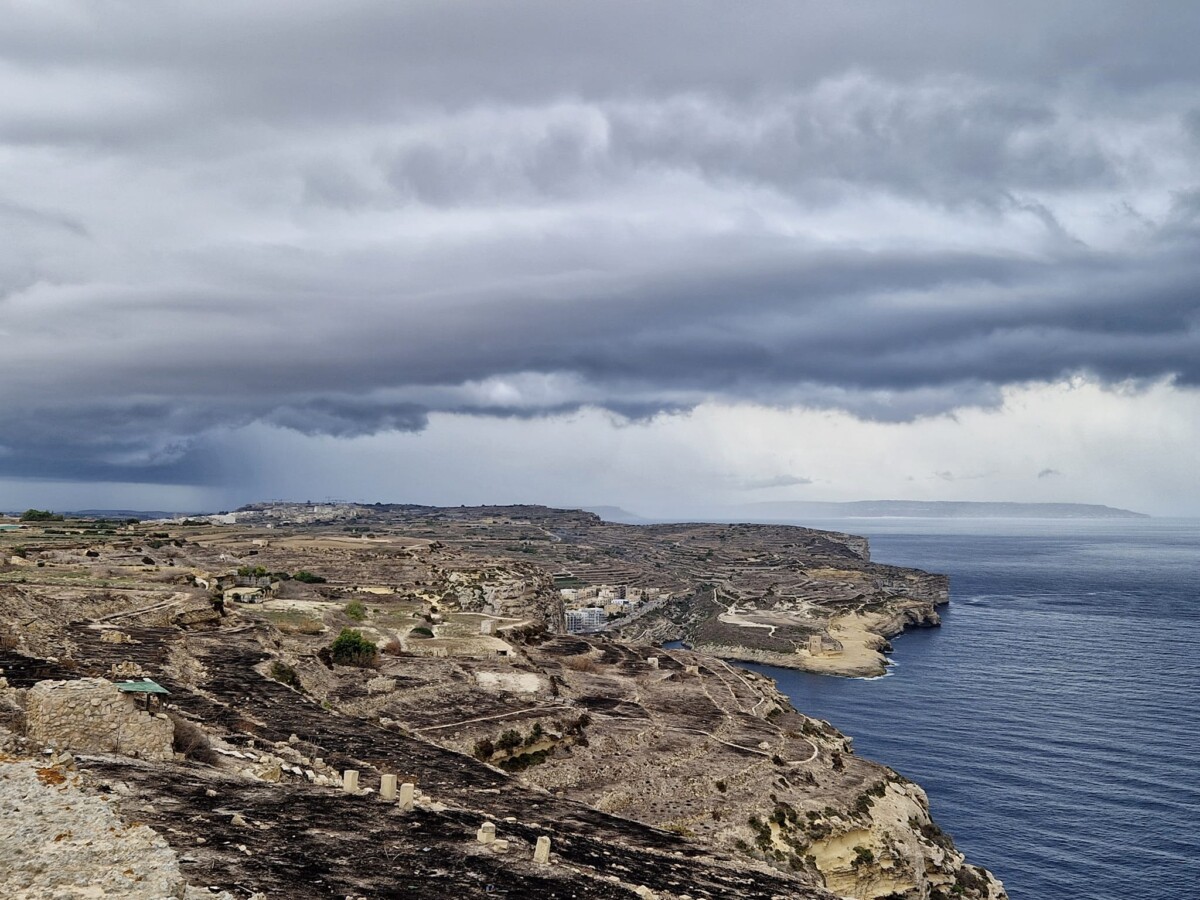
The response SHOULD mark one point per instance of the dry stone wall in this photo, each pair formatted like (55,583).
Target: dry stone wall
(91,716)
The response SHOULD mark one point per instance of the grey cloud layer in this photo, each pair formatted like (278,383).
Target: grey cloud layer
(342,221)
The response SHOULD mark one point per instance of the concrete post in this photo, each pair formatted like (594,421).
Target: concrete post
(486,833)
(387,787)
(406,796)
(652,662)
(541,853)
(350,781)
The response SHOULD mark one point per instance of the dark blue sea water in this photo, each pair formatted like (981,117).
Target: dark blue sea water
(1054,718)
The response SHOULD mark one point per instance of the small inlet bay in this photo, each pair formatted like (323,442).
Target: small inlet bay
(1053,719)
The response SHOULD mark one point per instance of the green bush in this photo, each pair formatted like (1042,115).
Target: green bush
(862,856)
(509,740)
(535,735)
(350,648)
(524,761)
(40,515)
(421,631)
(355,610)
(308,577)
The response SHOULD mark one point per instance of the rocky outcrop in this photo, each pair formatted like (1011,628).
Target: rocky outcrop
(57,841)
(889,847)
(90,715)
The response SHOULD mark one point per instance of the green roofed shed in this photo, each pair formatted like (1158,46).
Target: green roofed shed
(143,686)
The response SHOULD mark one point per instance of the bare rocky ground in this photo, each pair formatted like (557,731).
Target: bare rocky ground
(653,772)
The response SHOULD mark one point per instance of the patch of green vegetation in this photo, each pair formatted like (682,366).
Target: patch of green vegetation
(355,610)
(863,856)
(535,734)
(308,577)
(40,515)
(524,760)
(509,740)
(350,648)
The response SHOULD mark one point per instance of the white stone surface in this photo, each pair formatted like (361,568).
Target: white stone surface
(58,842)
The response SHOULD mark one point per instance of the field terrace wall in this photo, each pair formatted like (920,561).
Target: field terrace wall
(90,715)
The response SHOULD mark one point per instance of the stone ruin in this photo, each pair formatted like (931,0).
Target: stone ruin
(91,716)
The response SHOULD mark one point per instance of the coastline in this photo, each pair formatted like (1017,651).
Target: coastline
(854,645)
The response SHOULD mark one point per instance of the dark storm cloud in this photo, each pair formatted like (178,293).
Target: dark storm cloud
(343,220)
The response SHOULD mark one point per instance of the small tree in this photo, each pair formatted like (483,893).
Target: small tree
(355,610)
(350,648)
(509,740)
(40,515)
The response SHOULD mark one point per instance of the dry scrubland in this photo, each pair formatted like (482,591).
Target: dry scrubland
(427,643)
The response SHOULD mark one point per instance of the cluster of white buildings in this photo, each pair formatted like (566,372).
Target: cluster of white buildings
(589,608)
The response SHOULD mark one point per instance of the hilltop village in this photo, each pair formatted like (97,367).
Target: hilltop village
(344,700)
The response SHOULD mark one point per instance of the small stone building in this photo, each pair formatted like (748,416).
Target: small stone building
(92,716)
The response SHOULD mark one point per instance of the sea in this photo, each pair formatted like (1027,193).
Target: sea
(1054,717)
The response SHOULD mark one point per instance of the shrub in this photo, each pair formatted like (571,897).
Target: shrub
(535,734)
(509,740)
(581,663)
(308,577)
(355,610)
(422,632)
(393,648)
(309,626)
(40,515)
(862,856)
(524,761)
(191,740)
(350,648)
(285,674)
(484,749)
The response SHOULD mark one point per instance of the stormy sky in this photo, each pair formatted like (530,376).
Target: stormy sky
(663,255)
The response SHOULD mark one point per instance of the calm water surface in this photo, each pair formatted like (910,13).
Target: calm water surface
(1054,719)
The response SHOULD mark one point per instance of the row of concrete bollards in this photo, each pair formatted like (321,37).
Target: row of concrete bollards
(387,788)
(485,835)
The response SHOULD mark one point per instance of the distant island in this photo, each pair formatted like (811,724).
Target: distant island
(934,509)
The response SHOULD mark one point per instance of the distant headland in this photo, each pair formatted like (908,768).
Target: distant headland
(927,509)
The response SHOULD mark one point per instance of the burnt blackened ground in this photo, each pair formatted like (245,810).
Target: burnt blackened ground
(303,841)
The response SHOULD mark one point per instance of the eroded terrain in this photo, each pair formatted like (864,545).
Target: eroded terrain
(654,772)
